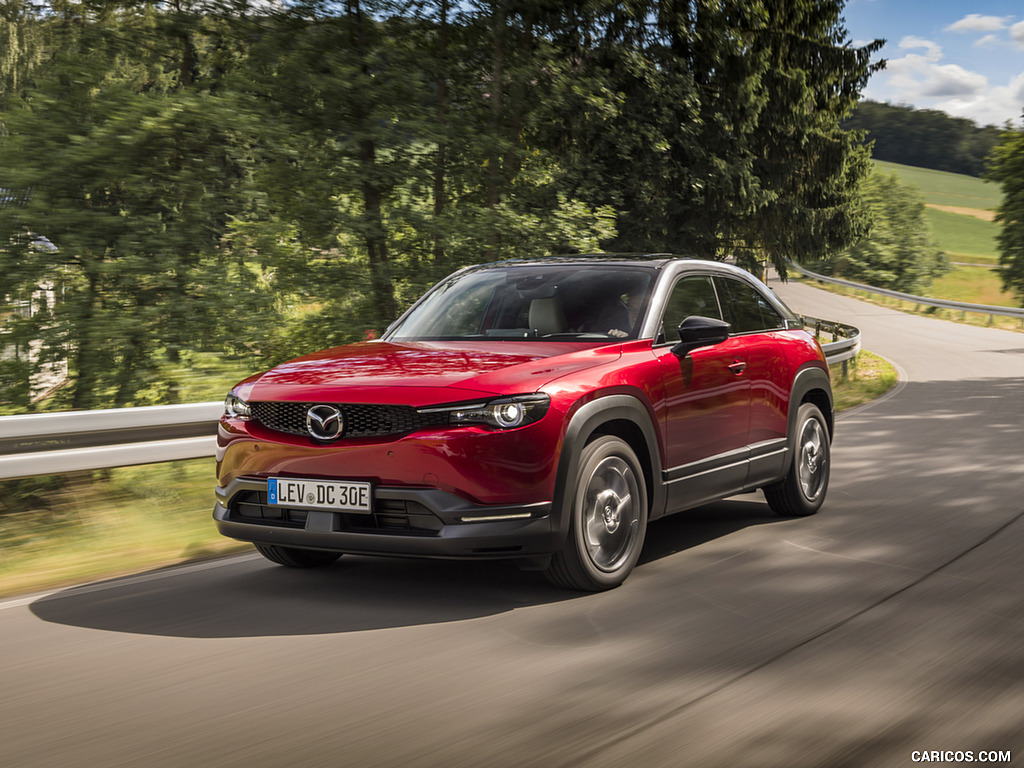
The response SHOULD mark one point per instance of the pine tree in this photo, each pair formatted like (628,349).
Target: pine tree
(1006,166)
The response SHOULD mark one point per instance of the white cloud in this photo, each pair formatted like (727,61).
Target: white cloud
(953,80)
(995,106)
(919,78)
(1017,32)
(974,22)
(987,41)
(910,43)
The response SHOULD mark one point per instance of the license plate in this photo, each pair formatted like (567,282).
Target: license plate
(337,496)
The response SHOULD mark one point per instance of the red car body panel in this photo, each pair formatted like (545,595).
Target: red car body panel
(708,413)
(514,468)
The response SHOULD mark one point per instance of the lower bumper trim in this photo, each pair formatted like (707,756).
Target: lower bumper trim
(463,530)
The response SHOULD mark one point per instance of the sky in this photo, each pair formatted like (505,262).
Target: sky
(963,58)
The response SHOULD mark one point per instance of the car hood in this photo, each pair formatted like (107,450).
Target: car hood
(423,373)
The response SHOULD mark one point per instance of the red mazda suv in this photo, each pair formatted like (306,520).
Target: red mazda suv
(544,410)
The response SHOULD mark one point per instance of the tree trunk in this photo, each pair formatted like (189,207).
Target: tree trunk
(374,232)
(87,356)
(494,161)
(440,168)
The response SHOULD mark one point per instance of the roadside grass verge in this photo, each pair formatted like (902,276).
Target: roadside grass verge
(58,531)
(62,530)
(974,285)
(867,377)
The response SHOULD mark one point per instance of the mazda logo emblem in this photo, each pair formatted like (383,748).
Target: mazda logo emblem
(325,422)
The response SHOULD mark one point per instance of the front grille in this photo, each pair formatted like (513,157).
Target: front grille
(360,420)
(388,516)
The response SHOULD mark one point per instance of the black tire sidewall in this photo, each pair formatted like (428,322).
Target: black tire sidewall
(808,412)
(593,454)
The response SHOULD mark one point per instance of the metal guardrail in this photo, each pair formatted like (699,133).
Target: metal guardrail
(845,342)
(50,443)
(958,306)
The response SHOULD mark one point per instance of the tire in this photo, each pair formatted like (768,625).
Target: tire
(608,522)
(802,491)
(297,558)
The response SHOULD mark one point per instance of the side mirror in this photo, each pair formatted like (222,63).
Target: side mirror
(696,332)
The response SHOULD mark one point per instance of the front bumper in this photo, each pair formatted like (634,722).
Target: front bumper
(412,522)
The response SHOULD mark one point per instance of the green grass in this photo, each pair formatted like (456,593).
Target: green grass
(867,378)
(973,285)
(91,525)
(964,238)
(942,188)
(207,376)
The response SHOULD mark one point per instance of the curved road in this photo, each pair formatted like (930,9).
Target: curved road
(892,622)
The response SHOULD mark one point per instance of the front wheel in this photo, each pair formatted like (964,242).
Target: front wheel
(803,489)
(609,519)
(293,557)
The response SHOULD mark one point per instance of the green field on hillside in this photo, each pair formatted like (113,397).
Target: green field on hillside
(953,189)
(958,207)
(964,238)
(959,214)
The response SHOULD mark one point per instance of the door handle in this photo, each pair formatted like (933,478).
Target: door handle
(737,366)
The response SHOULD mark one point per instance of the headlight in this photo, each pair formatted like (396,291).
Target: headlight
(503,413)
(236,408)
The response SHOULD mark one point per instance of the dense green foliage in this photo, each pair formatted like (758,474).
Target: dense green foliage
(1007,168)
(925,138)
(257,181)
(898,252)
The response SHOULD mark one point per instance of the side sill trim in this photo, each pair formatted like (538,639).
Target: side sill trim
(704,466)
(724,461)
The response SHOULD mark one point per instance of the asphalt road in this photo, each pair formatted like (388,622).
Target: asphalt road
(892,622)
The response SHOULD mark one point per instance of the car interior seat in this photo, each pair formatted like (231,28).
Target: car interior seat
(547,316)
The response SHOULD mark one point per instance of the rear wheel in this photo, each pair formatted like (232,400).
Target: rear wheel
(297,558)
(609,519)
(803,489)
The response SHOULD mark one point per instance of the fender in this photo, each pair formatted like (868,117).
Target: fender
(583,424)
(808,378)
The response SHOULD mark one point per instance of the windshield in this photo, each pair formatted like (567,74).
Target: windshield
(554,302)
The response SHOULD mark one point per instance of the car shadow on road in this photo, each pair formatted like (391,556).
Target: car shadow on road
(249,597)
